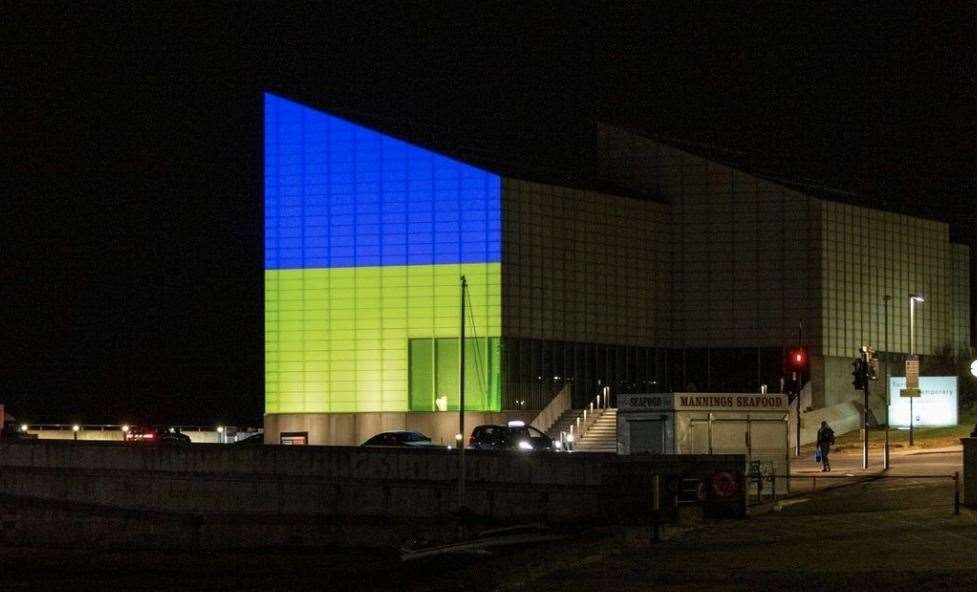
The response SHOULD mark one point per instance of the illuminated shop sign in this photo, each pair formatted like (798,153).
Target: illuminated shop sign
(704,401)
(936,406)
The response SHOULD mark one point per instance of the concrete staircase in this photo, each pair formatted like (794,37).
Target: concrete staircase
(564,422)
(602,434)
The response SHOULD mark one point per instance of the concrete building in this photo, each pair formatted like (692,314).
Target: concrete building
(666,271)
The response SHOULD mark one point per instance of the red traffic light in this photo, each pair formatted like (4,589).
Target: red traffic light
(798,358)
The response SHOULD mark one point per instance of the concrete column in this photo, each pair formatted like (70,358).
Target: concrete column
(969,472)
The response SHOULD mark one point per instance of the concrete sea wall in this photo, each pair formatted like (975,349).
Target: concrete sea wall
(57,492)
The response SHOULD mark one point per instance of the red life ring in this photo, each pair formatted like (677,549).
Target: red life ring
(724,484)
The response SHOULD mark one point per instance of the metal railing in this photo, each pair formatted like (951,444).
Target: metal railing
(112,427)
(757,480)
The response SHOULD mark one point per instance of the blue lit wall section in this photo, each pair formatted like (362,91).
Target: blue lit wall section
(341,195)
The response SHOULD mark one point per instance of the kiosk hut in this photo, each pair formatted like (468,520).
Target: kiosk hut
(707,423)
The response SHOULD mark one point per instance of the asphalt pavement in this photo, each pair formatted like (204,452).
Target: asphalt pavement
(895,531)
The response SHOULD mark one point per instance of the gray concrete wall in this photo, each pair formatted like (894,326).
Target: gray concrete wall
(969,472)
(831,379)
(250,496)
(352,429)
(842,418)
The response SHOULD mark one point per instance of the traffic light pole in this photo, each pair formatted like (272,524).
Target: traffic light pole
(800,386)
(797,427)
(865,427)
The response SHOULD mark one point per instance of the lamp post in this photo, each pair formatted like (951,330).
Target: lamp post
(913,299)
(461,401)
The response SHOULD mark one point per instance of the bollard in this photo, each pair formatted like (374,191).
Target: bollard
(956,493)
(655,508)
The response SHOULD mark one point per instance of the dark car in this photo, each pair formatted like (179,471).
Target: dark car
(157,434)
(401,438)
(11,431)
(514,436)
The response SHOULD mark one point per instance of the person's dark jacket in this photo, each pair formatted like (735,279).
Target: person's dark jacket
(826,437)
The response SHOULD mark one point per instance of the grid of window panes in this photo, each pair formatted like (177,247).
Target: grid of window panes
(336,340)
(744,262)
(366,238)
(338,194)
(537,369)
(582,266)
(868,254)
(960,287)
(745,266)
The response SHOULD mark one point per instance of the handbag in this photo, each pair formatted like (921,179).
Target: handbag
(817,454)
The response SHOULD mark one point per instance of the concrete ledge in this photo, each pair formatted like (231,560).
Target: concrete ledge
(352,429)
(216,495)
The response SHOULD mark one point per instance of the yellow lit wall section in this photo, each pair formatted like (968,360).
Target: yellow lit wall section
(337,339)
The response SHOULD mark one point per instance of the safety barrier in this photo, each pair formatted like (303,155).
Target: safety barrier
(756,483)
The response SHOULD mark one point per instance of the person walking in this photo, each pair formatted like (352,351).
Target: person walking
(826,439)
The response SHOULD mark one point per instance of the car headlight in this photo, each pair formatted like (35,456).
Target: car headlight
(558,445)
(524,445)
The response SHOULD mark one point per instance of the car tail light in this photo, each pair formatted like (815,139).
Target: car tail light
(471,440)
(148,436)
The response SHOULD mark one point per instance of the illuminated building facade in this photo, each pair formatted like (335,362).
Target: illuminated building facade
(694,267)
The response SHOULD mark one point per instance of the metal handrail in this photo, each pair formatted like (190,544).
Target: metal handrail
(758,480)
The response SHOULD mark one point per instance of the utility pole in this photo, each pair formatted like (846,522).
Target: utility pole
(461,400)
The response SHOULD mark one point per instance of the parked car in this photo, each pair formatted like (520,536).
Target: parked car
(157,434)
(514,436)
(11,431)
(401,438)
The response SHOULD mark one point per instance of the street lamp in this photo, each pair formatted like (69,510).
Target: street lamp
(913,299)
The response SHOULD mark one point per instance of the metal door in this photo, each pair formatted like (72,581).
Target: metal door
(769,445)
(647,435)
(730,436)
(700,436)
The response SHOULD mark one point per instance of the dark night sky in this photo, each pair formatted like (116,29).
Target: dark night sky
(132,142)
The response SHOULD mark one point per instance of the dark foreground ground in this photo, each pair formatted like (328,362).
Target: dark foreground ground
(887,534)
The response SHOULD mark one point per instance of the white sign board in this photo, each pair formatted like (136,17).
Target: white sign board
(745,402)
(936,406)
